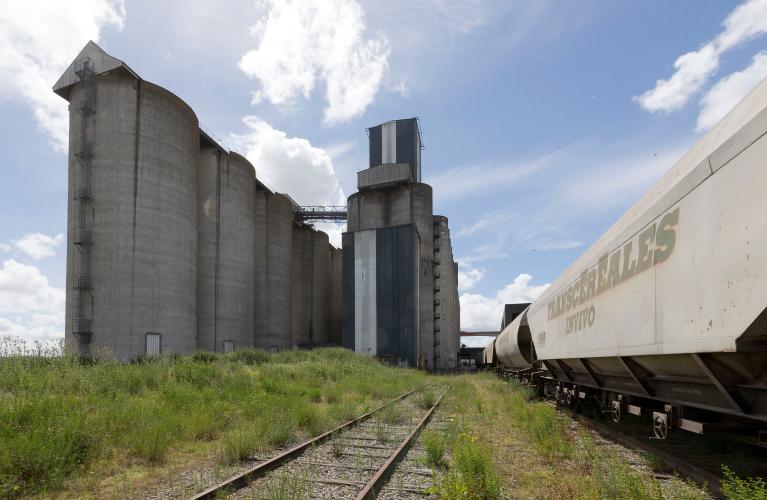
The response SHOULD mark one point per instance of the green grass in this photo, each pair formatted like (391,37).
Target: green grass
(472,474)
(62,419)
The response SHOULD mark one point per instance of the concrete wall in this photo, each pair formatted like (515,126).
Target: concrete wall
(207,245)
(446,308)
(236,271)
(144,185)
(278,275)
(422,218)
(301,286)
(226,260)
(261,333)
(320,288)
(334,320)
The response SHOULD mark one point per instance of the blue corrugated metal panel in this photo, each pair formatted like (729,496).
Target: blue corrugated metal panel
(347,290)
(408,145)
(374,138)
(396,293)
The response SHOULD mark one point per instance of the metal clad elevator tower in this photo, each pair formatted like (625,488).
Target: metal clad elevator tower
(395,303)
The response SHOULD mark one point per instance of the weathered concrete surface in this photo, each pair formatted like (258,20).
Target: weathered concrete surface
(144,182)
(320,289)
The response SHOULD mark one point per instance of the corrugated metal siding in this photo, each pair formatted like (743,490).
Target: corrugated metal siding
(408,147)
(396,293)
(389,142)
(384,174)
(365,319)
(153,345)
(374,138)
(347,292)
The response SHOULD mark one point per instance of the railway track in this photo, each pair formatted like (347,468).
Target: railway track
(355,460)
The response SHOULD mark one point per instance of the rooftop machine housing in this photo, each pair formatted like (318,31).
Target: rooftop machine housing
(397,142)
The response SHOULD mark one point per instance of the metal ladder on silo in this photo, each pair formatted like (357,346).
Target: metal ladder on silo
(83,204)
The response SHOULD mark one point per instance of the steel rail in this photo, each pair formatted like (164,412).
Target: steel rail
(244,479)
(376,483)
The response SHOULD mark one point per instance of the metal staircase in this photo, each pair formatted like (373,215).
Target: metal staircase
(83,205)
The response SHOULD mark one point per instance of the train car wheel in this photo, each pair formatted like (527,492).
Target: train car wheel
(660,426)
(616,411)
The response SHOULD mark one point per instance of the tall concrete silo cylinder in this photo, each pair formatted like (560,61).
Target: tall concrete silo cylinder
(207,248)
(236,275)
(279,246)
(321,293)
(140,284)
(226,263)
(334,322)
(261,337)
(422,218)
(301,286)
(445,288)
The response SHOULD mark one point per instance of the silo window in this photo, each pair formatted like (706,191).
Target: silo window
(228,346)
(153,344)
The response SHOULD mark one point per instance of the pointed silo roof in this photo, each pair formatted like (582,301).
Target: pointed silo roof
(101,61)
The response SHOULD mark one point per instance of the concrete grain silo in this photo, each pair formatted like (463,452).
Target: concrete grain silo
(226,246)
(301,286)
(279,239)
(132,212)
(334,321)
(320,288)
(422,218)
(261,337)
(446,325)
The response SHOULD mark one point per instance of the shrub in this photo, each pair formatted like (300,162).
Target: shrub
(204,356)
(250,356)
(735,488)
(427,399)
(238,444)
(434,446)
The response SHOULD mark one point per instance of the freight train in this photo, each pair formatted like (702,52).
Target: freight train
(665,315)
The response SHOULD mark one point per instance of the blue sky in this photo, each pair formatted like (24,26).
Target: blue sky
(542,121)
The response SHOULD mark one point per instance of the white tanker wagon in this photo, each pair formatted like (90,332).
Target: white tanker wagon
(666,313)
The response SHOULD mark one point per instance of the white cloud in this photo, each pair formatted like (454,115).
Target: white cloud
(4,247)
(30,308)
(728,91)
(289,165)
(469,277)
(693,69)
(489,222)
(559,245)
(301,42)
(464,181)
(38,40)
(38,246)
(480,313)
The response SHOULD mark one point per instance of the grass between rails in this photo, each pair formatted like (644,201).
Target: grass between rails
(69,426)
(499,444)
